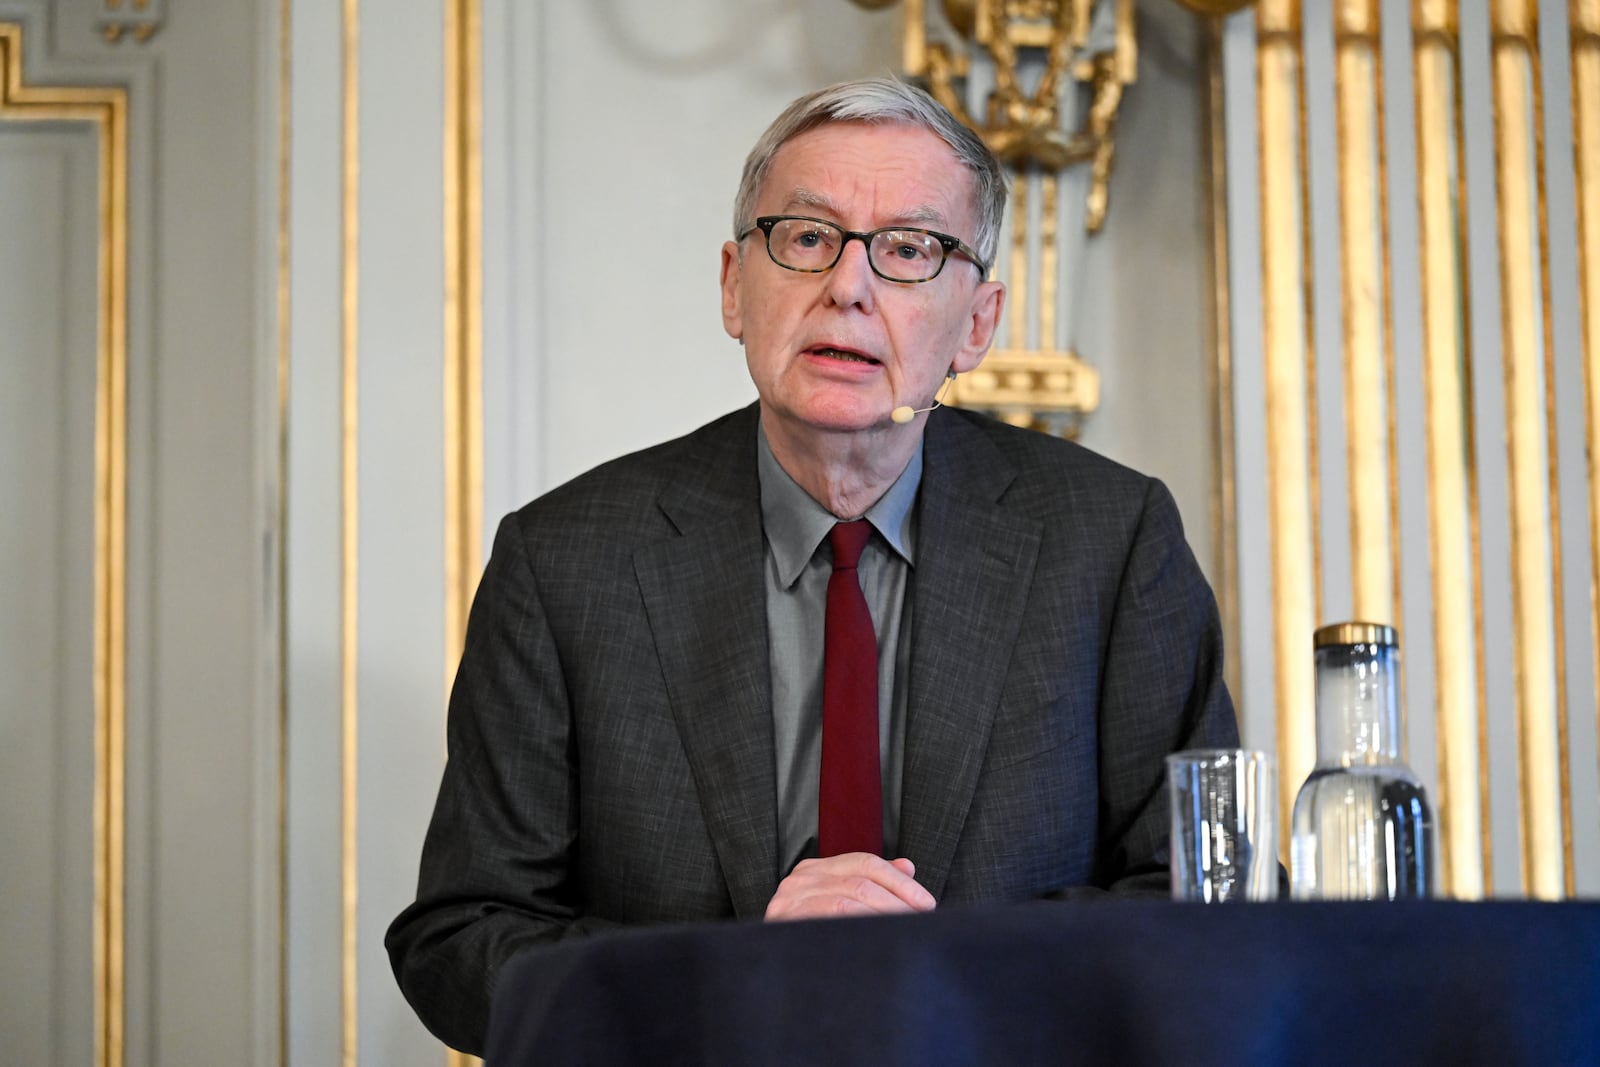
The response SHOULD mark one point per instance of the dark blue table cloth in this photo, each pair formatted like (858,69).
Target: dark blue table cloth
(1112,982)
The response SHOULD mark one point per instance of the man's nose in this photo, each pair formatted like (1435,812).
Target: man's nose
(851,281)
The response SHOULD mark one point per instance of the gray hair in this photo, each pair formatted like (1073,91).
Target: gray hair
(881,100)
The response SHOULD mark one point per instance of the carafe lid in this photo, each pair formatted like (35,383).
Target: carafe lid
(1355,633)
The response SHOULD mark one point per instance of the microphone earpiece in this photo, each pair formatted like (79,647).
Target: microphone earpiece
(905,412)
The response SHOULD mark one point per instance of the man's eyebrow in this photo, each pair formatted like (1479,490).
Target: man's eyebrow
(805,198)
(920,215)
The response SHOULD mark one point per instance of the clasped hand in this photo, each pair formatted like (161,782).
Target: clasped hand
(856,883)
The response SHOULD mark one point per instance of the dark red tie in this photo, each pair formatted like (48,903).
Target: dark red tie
(850,796)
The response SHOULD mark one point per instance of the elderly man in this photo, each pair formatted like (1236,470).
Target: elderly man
(832,654)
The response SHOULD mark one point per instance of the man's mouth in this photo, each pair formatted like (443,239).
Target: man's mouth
(842,354)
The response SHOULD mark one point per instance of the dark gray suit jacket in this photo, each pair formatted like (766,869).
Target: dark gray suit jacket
(611,752)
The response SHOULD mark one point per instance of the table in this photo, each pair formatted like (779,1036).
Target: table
(1109,981)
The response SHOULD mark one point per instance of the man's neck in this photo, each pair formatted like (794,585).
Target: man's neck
(845,472)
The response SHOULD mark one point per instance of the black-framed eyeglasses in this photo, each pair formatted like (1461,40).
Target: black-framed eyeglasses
(896,253)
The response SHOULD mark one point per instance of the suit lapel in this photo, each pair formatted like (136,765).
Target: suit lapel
(705,599)
(974,567)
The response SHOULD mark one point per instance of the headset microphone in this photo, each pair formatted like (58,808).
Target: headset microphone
(905,412)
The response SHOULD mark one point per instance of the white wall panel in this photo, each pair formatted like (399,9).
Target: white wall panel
(312,778)
(47,381)
(401,672)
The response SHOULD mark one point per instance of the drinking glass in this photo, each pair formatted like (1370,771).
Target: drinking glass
(1223,834)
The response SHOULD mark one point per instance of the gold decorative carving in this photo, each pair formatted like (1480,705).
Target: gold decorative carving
(120,20)
(1461,718)
(1023,385)
(105,109)
(1024,127)
(1036,51)
(1530,429)
(1054,44)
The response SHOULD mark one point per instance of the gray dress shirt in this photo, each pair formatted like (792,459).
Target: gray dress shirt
(798,564)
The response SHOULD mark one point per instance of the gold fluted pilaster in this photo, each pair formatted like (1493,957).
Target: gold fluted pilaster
(1364,262)
(105,109)
(1460,719)
(1585,37)
(1287,353)
(1529,434)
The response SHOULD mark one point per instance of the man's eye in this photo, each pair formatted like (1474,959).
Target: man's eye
(910,250)
(810,239)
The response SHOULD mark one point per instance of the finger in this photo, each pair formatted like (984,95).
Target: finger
(832,898)
(886,896)
(899,877)
(874,871)
(856,884)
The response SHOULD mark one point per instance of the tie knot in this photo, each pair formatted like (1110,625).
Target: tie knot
(848,539)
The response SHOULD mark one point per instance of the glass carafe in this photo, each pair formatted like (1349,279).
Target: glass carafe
(1362,827)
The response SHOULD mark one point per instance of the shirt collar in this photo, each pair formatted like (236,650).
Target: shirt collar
(795,524)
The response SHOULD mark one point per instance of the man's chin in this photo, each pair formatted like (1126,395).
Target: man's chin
(837,418)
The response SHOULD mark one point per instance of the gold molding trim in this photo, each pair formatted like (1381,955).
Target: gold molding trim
(106,109)
(349,516)
(1529,443)
(1455,575)
(1287,348)
(463,331)
(1585,49)
(463,318)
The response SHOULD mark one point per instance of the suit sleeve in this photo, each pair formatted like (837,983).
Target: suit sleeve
(497,863)
(1162,691)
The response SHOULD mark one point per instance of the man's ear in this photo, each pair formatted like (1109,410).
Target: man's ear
(732,317)
(987,302)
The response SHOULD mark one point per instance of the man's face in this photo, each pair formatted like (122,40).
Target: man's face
(838,351)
